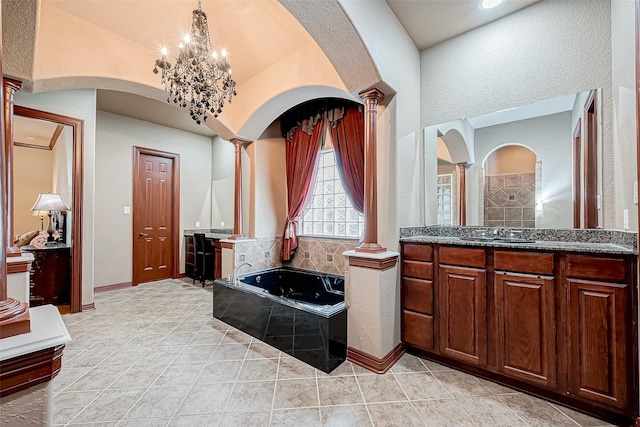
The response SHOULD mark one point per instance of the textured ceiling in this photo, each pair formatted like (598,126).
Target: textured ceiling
(430,22)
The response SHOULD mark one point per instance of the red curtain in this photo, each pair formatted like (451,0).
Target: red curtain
(302,152)
(347,135)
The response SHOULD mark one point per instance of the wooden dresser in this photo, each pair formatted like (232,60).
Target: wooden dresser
(50,281)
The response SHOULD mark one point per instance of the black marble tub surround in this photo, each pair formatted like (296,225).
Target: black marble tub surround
(572,240)
(273,309)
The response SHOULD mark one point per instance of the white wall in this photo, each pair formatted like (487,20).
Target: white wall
(32,175)
(222,176)
(548,49)
(550,137)
(116,136)
(63,173)
(80,104)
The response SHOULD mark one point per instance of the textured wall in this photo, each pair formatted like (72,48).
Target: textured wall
(543,51)
(116,136)
(30,407)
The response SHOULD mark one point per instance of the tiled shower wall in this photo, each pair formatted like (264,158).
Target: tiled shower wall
(509,200)
(321,254)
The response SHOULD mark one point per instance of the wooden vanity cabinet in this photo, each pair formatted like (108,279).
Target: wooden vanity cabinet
(600,333)
(189,257)
(417,296)
(462,297)
(525,316)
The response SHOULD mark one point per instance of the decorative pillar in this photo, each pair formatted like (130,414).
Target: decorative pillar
(14,315)
(462,193)
(9,88)
(370,240)
(237,207)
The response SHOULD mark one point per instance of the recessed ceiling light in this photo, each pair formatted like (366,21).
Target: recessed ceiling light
(489,4)
(30,138)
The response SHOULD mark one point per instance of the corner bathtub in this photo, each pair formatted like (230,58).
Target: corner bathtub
(299,312)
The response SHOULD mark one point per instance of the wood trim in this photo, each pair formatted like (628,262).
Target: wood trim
(372,363)
(13,252)
(182,275)
(462,194)
(9,88)
(86,307)
(78,195)
(226,245)
(55,136)
(137,151)
(577,173)
(372,97)
(590,140)
(28,370)
(18,267)
(114,287)
(36,146)
(373,263)
(237,195)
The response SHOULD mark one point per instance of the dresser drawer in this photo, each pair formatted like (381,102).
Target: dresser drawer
(418,269)
(524,262)
(417,252)
(417,330)
(466,257)
(417,295)
(597,268)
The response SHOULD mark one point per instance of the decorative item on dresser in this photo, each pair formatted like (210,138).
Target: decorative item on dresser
(555,322)
(49,202)
(50,275)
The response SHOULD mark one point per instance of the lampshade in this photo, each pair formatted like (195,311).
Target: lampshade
(49,202)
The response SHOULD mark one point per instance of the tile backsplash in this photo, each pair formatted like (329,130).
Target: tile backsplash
(263,253)
(322,254)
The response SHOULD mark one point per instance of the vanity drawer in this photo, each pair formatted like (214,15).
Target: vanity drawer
(598,268)
(417,295)
(417,330)
(524,262)
(417,252)
(421,270)
(466,257)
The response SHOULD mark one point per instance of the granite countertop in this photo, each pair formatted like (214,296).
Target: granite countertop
(544,245)
(211,235)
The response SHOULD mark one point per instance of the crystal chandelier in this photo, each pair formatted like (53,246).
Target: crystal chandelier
(200,79)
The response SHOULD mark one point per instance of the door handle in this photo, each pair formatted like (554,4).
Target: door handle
(143,234)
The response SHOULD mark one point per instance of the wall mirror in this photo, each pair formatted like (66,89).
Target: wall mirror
(528,166)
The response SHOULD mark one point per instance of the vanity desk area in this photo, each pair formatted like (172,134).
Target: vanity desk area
(550,312)
(213,237)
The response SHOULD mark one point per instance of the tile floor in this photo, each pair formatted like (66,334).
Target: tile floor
(154,356)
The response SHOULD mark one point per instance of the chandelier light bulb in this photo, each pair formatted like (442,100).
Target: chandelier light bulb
(198,81)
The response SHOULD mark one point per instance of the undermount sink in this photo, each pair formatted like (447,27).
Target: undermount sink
(496,239)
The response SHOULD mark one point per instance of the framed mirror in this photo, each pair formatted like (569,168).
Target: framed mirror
(529,166)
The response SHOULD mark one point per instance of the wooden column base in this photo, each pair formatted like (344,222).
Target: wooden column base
(31,369)
(14,318)
(371,248)
(372,363)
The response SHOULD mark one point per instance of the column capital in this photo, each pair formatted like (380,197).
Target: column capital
(238,142)
(372,94)
(13,85)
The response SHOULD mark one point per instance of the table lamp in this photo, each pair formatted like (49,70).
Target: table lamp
(50,202)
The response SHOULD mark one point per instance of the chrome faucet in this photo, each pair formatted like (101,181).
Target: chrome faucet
(235,272)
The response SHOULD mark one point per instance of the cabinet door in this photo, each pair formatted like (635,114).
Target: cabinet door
(462,303)
(599,322)
(525,314)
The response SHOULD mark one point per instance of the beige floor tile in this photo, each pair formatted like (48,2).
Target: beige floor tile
(442,413)
(112,405)
(490,412)
(258,370)
(435,366)
(206,399)
(408,363)
(229,352)
(307,417)
(460,384)
(300,393)
(219,372)
(260,350)
(339,391)
(67,405)
(179,374)
(159,402)
(359,370)
(381,388)
(207,337)
(251,397)
(195,353)
(98,424)
(395,414)
(422,386)
(293,368)
(345,369)
(345,416)
(67,376)
(145,422)
(245,419)
(139,377)
(99,378)
(536,412)
(160,355)
(208,420)
(90,358)
(496,388)
(234,336)
(177,338)
(580,418)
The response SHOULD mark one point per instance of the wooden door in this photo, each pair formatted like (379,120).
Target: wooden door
(525,313)
(599,321)
(462,298)
(153,217)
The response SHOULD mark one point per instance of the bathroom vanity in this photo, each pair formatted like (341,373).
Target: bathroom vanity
(555,318)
